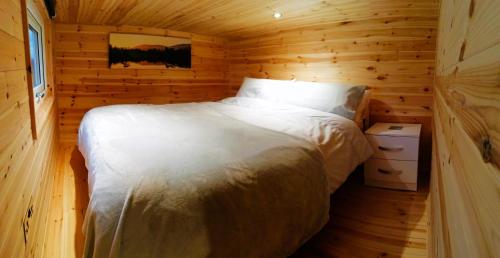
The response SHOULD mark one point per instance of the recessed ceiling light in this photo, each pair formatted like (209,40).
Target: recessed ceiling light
(277,15)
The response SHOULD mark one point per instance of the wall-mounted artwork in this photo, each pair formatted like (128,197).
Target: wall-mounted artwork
(148,52)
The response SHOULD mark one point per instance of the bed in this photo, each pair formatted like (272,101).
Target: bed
(248,176)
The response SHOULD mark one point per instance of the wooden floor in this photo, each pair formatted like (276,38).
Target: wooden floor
(364,221)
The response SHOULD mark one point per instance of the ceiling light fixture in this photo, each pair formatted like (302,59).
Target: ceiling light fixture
(277,15)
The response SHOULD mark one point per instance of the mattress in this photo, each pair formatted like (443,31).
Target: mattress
(237,178)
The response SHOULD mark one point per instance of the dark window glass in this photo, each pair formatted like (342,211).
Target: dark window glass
(36,60)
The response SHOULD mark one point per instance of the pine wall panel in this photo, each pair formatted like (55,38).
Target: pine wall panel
(391,50)
(27,165)
(84,80)
(466,152)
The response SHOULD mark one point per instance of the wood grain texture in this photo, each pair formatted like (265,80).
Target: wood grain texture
(237,18)
(69,202)
(364,221)
(84,80)
(466,157)
(392,52)
(26,165)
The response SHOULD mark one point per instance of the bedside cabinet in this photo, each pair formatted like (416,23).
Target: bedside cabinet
(395,161)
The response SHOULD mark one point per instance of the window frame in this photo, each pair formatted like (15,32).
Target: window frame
(36,25)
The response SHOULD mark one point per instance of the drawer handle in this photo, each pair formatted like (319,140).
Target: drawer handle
(390,172)
(390,148)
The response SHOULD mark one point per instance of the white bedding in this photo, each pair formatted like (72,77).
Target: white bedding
(341,143)
(164,179)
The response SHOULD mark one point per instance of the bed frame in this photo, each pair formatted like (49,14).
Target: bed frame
(362,118)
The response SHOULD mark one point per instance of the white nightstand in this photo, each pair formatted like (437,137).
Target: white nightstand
(395,161)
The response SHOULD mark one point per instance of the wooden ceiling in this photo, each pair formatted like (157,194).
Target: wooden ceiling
(234,18)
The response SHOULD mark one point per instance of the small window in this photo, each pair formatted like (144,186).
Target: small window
(35,33)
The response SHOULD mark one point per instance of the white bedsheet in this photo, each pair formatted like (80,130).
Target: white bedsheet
(342,144)
(185,169)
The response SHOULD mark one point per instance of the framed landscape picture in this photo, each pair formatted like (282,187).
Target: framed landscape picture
(138,51)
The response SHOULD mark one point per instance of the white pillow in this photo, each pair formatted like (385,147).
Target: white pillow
(328,97)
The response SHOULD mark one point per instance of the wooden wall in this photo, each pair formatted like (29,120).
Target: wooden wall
(391,50)
(26,165)
(466,161)
(84,80)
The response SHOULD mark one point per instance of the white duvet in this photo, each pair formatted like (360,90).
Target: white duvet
(237,178)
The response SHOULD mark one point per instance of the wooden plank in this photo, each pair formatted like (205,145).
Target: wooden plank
(10,18)
(466,131)
(11,53)
(472,92)
(241,19)
(26,165)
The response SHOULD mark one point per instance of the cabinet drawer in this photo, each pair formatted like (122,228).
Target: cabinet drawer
(389,147)
(391,173)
